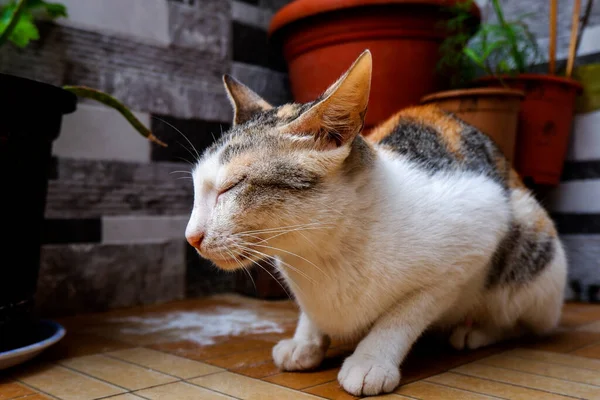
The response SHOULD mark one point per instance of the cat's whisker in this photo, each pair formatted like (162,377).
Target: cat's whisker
(187,161)
(278,228)
(268,272)
(293,254)
(262,254)
(314,225)
(185,137)
(235,257)
(181,172)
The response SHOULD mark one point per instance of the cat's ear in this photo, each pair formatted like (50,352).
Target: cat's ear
(245,102)
(339,116)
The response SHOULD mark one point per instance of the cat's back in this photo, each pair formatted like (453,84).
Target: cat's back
(437,141)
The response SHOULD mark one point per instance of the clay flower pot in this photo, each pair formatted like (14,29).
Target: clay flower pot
(321,38)
(545,123)
(494,111)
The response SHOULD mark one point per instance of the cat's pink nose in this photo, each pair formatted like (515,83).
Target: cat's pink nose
(195,239)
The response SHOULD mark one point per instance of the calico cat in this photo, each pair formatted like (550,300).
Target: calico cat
(421,225)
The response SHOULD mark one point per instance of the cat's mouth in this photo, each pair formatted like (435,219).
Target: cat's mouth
(235,261)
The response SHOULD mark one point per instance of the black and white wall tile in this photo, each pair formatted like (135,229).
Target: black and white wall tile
(575,206)
(118,205)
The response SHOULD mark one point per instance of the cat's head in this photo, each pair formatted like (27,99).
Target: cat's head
(278,176)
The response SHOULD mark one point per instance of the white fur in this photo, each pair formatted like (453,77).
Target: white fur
(408,252)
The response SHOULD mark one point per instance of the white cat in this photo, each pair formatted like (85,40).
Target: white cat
(423,224)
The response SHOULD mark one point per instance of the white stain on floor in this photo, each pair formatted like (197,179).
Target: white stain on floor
(201,327)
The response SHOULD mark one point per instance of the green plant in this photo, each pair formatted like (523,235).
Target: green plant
(501,47)
(17,25)
(454,63)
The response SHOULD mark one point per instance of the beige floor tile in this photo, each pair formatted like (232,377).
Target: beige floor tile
(182,391)
(593,327)
(302,380)
(126,396)
(223,347)
(78,345)
(247,388)
(532,381)
(66,384)
(260,370)
(484,386)
(565,342)
(166,363)
(330,390)
(589,352)
(117,372)
(10,390)
(426,391)
(242,360)
(556,358)
(543,368)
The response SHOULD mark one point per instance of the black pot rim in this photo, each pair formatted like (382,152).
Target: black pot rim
(28,94)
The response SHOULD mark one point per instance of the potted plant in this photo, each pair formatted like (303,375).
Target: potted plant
(30,121)
(494,111)
(548,108)
(321,38)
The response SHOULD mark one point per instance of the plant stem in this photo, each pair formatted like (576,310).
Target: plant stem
(584,22)
(519,62)
(110,101)
(14,20)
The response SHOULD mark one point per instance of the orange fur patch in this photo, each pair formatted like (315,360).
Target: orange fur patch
(384,129)
(543,223)
(514,180)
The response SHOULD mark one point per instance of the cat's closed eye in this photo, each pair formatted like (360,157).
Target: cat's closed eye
(231,185)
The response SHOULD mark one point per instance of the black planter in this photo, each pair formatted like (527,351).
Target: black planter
(30,119)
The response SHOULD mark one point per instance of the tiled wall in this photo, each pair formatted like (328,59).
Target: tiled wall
(117,205)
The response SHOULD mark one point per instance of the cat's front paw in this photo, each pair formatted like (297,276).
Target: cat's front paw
(363,375)
(298,355)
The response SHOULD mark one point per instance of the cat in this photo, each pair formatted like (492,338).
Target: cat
(420,225)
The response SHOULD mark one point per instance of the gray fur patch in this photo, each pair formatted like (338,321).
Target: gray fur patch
(520,257)
(423,145)
(426,147)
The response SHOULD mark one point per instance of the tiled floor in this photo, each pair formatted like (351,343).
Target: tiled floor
(220,348)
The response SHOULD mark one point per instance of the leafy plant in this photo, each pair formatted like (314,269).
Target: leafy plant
(21,28)
(17,25)
(454,63)
(502,47)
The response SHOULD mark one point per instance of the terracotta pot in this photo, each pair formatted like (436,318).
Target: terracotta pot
(494,111)
(545,123)
(322,38)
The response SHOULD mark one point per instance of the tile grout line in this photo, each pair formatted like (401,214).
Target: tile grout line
(205,360)
(463,389)
(513,384)
(268,383)
(583,348)
(213,390)
(542,375)
(114,384)
(139,365)
(553,363)
(23,397)
(37,390)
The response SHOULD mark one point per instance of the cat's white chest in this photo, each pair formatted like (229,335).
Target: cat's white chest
(333,303)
